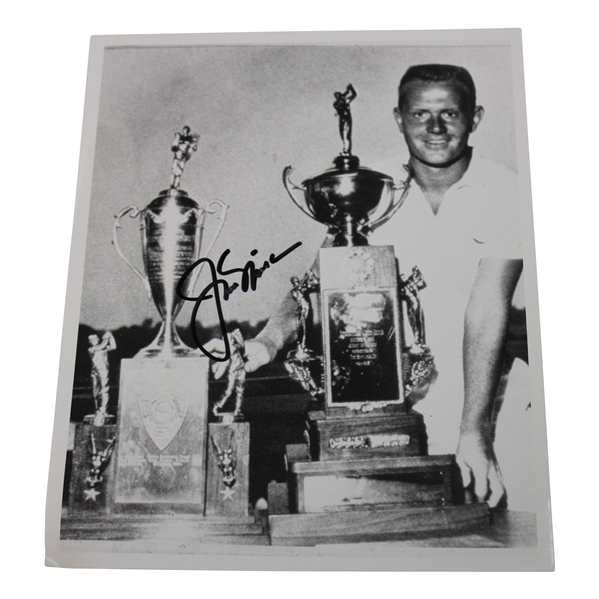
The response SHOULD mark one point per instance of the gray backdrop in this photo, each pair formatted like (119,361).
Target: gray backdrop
(257,109)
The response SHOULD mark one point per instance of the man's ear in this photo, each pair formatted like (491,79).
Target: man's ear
(479,111)
(397,116)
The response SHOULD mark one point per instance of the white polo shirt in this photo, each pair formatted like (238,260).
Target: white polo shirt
(478,218)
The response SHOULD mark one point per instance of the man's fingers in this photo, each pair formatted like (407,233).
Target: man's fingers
(256,355)
(466,474)
(497,490)
(216,347)
(481,484)
(219,368)
(256,362)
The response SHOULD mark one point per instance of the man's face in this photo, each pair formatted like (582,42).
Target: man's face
(435,122)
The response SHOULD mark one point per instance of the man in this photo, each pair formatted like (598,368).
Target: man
(459,225)
(474,262)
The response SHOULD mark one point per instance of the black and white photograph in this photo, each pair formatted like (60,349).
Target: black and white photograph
(303,315)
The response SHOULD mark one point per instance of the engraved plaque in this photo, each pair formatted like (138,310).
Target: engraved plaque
(361,323)
(352,436)
(162,425)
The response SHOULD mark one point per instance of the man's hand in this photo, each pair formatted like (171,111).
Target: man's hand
(476,458)
(255,354)
(485,332)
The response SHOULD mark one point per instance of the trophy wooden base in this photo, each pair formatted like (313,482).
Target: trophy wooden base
(228,477)
(374,499)
(375,525)
(89,492)
(376,482)
(163,533)
(339,435)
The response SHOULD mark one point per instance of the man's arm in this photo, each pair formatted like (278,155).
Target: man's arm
(281,327)
(280,330)
(485,333)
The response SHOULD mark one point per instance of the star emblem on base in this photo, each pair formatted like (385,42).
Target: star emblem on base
(228,493)
(91,494)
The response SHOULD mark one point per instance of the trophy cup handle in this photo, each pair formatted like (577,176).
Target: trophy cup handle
(133,213)
(210,209)
(288,183)
(395,204)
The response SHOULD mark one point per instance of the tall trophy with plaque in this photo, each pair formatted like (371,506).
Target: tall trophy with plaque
(367,450)
(163,398)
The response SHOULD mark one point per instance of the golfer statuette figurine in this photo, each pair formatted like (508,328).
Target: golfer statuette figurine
(98,352)
(341,105)
(183,146)
(235,380)
(301,363)
(228,470)
(419,365)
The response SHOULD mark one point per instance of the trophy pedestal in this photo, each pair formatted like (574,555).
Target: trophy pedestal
(373,499)
(365,474)
(390,524)
(85,496)
(162,434)
(99,419)
(373,483)
(228,473)
(164,533)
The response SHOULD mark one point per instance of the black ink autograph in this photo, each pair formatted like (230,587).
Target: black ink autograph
(250,274)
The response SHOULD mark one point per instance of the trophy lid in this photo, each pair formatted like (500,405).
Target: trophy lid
(346,163)
(348,170)
(349,199)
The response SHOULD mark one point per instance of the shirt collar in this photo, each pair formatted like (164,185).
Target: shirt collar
(473,174)
(471,178)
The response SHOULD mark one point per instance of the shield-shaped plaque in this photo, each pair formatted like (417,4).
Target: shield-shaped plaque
(163,413)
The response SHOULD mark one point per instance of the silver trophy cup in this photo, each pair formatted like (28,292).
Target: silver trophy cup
(171,242)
